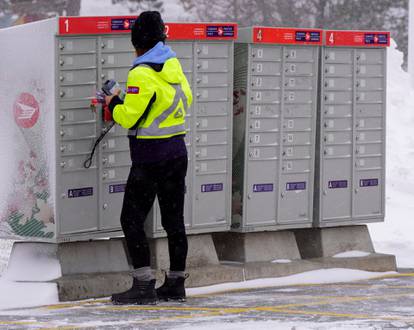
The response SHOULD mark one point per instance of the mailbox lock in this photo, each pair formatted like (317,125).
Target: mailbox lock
(62,94)
(102,45)
(325,192)
(249,196)
(356,191)
(197,124)
(198,50)
(104,145)
(199,80)
(197,139)
(62,164)
(198,95)
(104,175)
(61,62)
(198,65)
(282,195)
(63,196)
(61,78)
(103,76)
(105,206)
(104,160)
(62,46)
(103,61)
(198,153)
(62,148)
(62,117)
(62,133)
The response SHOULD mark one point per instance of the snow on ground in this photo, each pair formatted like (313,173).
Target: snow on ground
(20,295)
(352,254)
(321,276)
(395,235)
(281,261)
(272,325)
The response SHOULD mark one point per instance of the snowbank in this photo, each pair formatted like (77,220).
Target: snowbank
(25,294)
(395,236)
(321,276)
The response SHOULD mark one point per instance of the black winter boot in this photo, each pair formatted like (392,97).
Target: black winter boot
(172,289)
(141,293)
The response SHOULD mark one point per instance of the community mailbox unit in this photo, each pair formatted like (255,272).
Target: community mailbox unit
(275,90)
(351,134)
(70,58)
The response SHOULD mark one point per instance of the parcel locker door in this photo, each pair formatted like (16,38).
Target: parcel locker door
(368,194)
(78,207)
(210,194)
(294,198)
(337,188)
(261,192)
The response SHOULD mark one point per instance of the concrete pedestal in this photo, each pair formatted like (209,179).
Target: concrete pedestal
(327,242)
(256,247)
(99,268)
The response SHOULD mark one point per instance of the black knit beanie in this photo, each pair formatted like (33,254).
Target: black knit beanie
(148,30)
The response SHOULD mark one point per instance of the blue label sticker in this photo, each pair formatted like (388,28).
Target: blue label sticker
(308,36)
(211,187)
(117,188)
(338,184)
(219,31)
(80,192)
(122,24)
(296,185)
(263,187)
(368,182)
(376,39)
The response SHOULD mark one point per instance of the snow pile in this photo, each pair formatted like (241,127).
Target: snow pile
(395,236)
(352,254)
(5,250)
(26,294)
(321,276)
(32,265)
(281,261)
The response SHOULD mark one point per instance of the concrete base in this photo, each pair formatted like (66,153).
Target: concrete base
(327,242)
(201,252)
(97,269)
(256,247)
(76,287)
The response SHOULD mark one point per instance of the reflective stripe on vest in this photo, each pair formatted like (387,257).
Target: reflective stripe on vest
(154,129)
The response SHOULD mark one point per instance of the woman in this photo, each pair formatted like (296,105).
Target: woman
(157,98)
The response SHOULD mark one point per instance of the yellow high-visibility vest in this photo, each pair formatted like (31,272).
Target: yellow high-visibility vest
(168,94)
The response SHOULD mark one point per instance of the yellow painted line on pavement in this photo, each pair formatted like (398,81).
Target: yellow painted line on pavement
(76,304)
(18,322)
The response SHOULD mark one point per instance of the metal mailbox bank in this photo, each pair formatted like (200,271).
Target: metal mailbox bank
(51,195)
(351,133)
(275,91)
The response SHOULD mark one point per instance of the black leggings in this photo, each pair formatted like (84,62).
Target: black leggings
(166,180)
